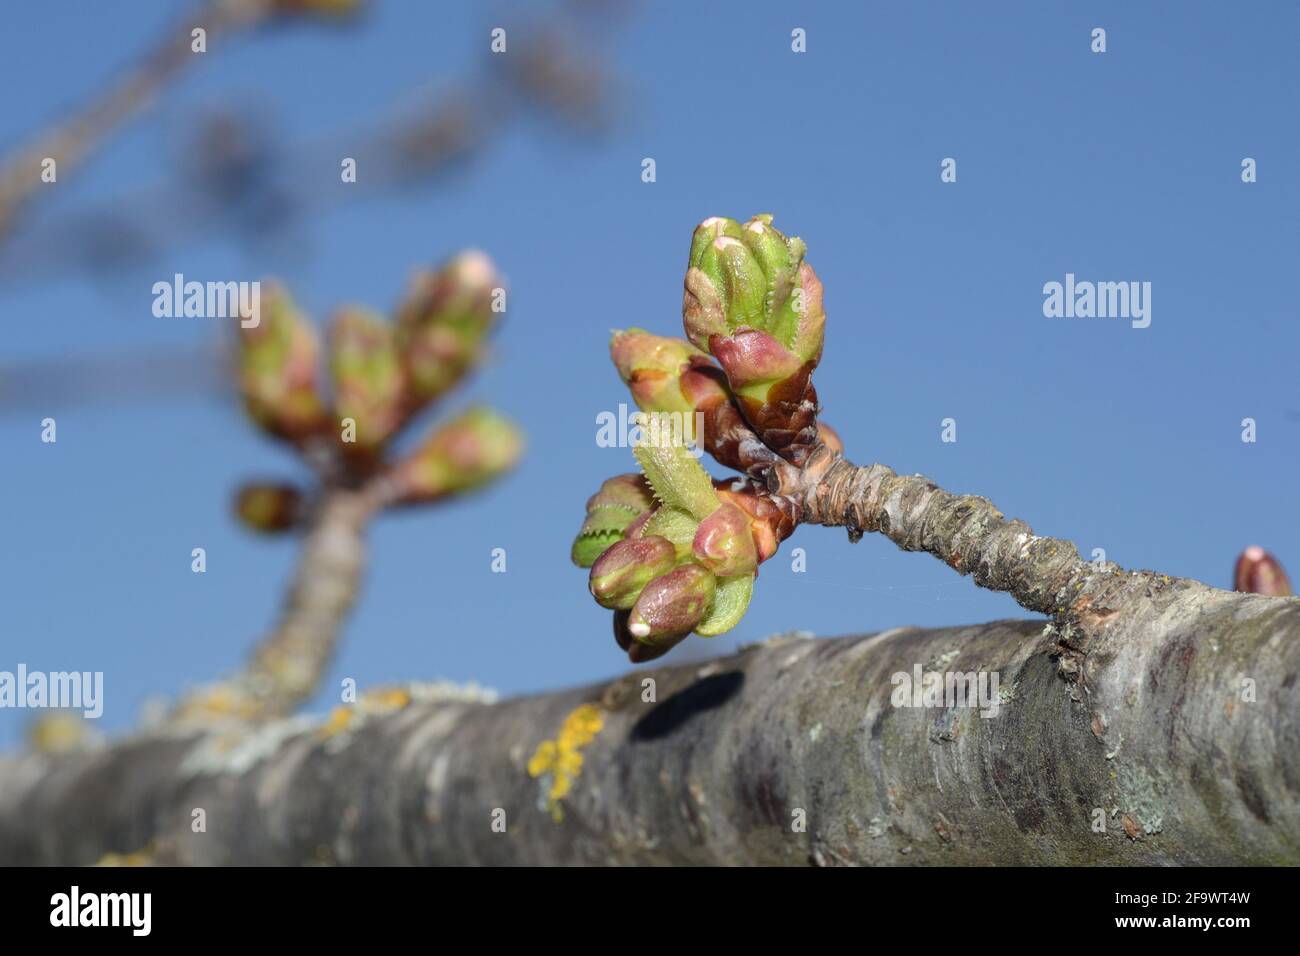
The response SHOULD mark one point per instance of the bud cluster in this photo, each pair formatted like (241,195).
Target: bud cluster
(678,552)
(672,553)
(384,373)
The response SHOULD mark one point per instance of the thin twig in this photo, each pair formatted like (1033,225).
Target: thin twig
(72,141)
(966,532)
(288,664)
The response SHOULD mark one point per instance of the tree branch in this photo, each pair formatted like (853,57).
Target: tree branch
(1157,742)
(1154,721)
(288,664)
(72,141)
(966,532)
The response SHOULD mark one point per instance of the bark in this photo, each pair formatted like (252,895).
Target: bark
(1157,738)
(1161,710)
(966,532)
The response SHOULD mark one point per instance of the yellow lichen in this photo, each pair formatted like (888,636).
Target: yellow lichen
(560,760)
(218,702)
(337,722)
(58,733)
(386,699)
(142,857)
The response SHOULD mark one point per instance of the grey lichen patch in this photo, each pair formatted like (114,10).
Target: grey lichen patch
(947,725)
(237,752)
(941,661)
(778,639)
(443,692)
(1067,635)
(1140,796)
(342,723)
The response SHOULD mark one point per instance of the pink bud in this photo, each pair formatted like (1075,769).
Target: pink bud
(1258,572)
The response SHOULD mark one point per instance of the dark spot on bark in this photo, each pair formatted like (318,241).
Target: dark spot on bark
(672,713)
(878,724)
(1175,664)
(767,798)
(1289,681)
(1205,781)
(1029,818)
(1002,770)
(1251,796)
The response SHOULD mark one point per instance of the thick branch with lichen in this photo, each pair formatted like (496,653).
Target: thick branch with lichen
(1153,720)
(793,751)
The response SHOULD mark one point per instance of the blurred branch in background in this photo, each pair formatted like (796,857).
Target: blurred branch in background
(385,375)
(73,140)
(236,178)
(138,376)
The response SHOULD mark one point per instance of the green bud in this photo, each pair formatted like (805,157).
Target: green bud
(676,525)
(715,227)
(769,522)
(810,324)
(628,490)
(724,543)
(755,363)
(610,511)
(269,507)
(588,547)
(671,605)
(460,455)
(768,356)
(704,314)
(620,574)
(776,255)
(730,601)
(444,320)
(369,382)
(739,279)
(276,364)
(752,277)
(677,479)
(651,366)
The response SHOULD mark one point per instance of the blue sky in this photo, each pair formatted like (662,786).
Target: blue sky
(1116,166)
